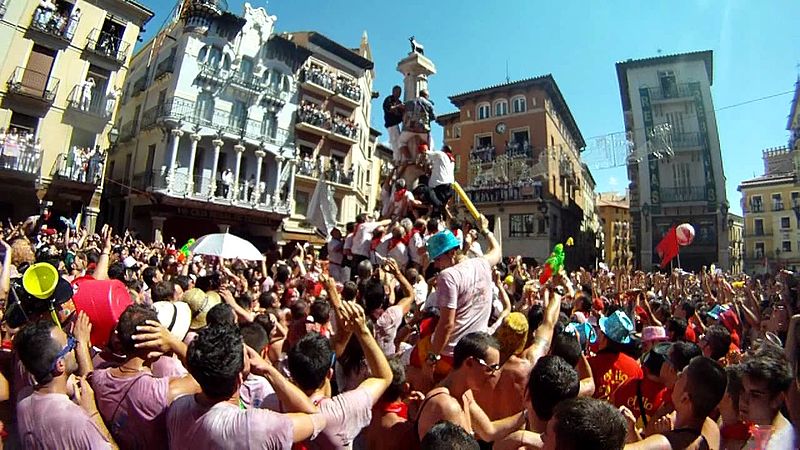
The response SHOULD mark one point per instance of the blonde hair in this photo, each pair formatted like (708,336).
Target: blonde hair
(22,252)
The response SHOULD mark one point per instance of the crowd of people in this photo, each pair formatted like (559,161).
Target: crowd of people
(313,114)
(19,150)
(408,329)
(340,84)
(82,164)
(48,17)
(398,334)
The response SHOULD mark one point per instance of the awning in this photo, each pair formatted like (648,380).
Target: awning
(299,235)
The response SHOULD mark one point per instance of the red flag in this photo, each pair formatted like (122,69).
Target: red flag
(667,249)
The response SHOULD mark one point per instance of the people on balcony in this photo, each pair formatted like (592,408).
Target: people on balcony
(82,164)
(321,77)
(108,41)
(48,18)
(86,91)
(312,114)
(111,100)
(345,127)
(519,149)
(72,23)
(227,182)
(349,88)
(44,13)
(483,154)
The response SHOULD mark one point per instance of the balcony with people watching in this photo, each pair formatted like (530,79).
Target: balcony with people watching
(56,22)
(19,152)
(80,165)
(331,169)
(108,47)
(84,98)
(348,92)
(496,191)
(317,78)
(313,119)
(344,130)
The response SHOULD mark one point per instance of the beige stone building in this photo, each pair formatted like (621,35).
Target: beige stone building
(614,211)
(61,71)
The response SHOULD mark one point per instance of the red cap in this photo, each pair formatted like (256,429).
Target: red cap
(598,304)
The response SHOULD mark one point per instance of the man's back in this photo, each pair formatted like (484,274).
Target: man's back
(225,426)
(346,415)
(133,407)
(508,395)
(466,288)
(418,115)
(52,421)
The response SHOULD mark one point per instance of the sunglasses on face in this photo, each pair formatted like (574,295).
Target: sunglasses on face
(71,344)
(490,369)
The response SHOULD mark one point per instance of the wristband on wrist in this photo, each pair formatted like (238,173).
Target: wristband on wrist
(433,358)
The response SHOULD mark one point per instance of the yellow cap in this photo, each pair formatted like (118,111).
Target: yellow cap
(512,335)
(40,280)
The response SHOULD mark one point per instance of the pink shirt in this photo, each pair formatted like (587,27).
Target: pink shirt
(168,367)
(256,392)
(347,414)
(467,288)
(193,426)
(52,421)
(386,329)
(134,408)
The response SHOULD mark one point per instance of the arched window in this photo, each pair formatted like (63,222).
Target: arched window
(201,57)
(501,108)
(519,105)
(246,69)
(214,56)
(276,80)
(483,111)
(204,108)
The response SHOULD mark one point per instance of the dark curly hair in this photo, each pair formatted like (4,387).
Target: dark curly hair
(215,359)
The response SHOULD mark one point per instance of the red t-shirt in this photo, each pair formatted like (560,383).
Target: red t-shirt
(691,333)
(610,370)
(626,395)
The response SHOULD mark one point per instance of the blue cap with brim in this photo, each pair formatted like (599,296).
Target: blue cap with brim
(441,243)
(618,327)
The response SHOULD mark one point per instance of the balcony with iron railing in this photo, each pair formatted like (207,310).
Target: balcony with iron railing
(505,192)
(331,171)
(56,27)
(683,194)
(164,67)
(79,166)
(84,100)
(177,109)
(37,86)
(213,74)
(128,130)
(109,47)
(778,206)
(20,157)
(139,85)
(674,91)
(243,194)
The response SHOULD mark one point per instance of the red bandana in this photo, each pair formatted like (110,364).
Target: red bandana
(374,243)
(399,194)
(399,408)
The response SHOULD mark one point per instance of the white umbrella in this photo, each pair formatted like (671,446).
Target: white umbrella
(226,245)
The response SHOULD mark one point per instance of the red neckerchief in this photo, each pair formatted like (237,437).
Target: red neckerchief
(306,445)
(394,241)
(399,408)
(450,155)
(374,243)
(399,194)
(739,431)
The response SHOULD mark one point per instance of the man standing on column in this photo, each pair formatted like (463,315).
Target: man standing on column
(392,118)
(417,116)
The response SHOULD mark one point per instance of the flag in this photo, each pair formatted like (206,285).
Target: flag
(322,209)
(667,249)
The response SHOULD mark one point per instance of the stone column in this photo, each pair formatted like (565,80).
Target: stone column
(276,192)
(290,193)
(195,138)
(239,148)
(260,154)
(90,220)
(158,228)
(217,147)
(173,156)
(415,69)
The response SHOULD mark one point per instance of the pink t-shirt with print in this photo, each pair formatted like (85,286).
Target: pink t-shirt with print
(52,421)
(467,288)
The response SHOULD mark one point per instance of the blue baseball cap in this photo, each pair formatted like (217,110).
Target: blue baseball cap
(441,243)
(617,327)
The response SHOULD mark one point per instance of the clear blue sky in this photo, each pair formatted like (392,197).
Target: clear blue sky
(756,53)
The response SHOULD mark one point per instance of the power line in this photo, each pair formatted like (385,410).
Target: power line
(755,100)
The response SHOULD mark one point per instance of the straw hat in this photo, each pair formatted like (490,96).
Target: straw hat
(200,303)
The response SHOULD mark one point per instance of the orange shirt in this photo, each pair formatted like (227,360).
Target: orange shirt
(610,370)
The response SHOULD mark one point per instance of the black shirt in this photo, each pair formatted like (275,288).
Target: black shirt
(392,118)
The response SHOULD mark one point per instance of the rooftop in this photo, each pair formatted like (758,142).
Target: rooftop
(330,45)
(547,83)
(706,56)
(767,180)
(613,199)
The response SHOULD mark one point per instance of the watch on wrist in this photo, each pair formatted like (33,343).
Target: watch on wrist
(433,358)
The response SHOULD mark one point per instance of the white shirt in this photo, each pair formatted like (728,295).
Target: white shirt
(414,245)
(442,169)
(335,251)
(362,238)
(227,177)
(400,254)
(420,292)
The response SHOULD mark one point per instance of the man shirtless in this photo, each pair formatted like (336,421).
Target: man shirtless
(476,361)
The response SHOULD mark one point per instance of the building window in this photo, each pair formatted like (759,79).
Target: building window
(456,131)
(795,199)
(759,250)
(756,205)
(501,108)
(758,227)
(518,105)
(786,246)
(785,224)
(483,111)
(777,202)
(521,225)
(301,203)
(204,109)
